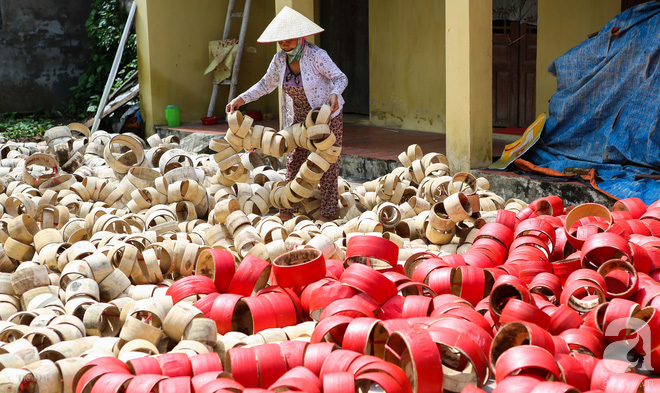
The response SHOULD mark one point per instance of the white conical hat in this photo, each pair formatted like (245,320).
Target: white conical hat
(287,25)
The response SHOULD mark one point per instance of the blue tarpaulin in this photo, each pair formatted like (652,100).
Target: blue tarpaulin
(606,111)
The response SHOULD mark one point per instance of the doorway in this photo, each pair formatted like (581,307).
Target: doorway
(514,73)
(346,39)
(625,4)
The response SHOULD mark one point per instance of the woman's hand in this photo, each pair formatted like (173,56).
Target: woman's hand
(234,105)
(334,103)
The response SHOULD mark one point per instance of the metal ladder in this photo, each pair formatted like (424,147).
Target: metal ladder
(239,53)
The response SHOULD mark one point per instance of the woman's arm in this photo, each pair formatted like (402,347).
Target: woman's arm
(234,105)
(266,84)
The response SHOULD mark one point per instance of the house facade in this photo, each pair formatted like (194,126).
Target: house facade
(428,65)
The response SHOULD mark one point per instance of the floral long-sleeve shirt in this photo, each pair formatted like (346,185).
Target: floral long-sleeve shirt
(320,77)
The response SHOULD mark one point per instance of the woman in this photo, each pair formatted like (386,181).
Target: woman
(309,79)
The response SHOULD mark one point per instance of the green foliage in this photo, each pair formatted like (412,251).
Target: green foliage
(104,26)
(17,126)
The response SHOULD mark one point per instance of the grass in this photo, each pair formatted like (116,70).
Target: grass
(29,126)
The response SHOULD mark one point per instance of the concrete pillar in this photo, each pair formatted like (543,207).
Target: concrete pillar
(144,65)
(469,60)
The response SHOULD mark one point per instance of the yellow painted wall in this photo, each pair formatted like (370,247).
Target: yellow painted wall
(407,64)
(562,25)
(173,38)
(406,55)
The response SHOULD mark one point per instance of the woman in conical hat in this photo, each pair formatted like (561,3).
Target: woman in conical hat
(309,79)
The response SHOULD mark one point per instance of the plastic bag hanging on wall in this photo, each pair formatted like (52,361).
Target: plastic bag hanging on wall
(222,54)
